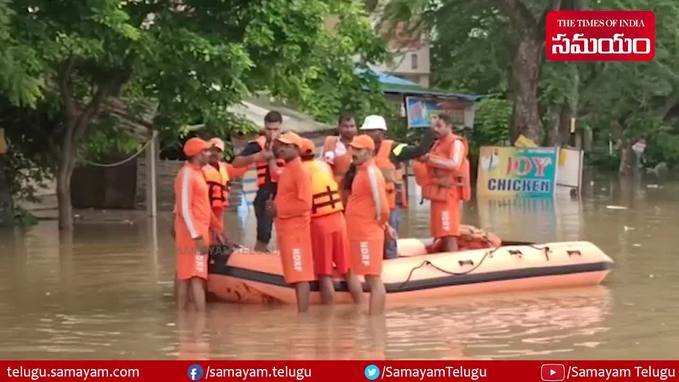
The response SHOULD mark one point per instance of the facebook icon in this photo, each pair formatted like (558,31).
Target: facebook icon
(195,372)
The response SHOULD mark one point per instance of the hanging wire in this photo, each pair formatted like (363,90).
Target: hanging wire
(119,162)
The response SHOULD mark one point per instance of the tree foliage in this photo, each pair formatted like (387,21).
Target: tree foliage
(194,58)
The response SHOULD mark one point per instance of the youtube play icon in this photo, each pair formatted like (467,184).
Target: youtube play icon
(553,372)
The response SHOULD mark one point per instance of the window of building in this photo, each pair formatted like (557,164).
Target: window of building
(413,61)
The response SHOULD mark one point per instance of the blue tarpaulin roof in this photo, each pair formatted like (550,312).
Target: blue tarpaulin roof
(395,84)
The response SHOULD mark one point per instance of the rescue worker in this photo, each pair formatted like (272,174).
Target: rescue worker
(447,182)
(376,128)
(259,152)
(366,215)
(219,175)
(192,225)
(337,151)
(291,209)
(329,241)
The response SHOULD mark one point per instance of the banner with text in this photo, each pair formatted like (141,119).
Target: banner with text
(345,371)
(514,171)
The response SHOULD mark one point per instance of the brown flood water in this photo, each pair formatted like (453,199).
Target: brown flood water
(106,292)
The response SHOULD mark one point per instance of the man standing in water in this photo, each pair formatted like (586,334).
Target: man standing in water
(329,240)
(337,151)
(376,128)
(259,152)
(192,225)
(292,212)
(367,214)
(444,165)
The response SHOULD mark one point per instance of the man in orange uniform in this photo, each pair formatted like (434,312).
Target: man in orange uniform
(218,175)
(376,128)
(444,164)
(192,225)
(337,152)
(291,210)
(367,214)
(329,240)
(259,152)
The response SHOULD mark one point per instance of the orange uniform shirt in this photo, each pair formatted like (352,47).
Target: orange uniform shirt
(293,199)
(366,214)
(362,212)
(293,222)
(192,220)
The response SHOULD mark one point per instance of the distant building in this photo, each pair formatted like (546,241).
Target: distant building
(411,54)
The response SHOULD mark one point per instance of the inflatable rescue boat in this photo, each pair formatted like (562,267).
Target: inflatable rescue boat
(483,265)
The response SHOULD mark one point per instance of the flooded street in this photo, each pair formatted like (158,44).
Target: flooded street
(106,292)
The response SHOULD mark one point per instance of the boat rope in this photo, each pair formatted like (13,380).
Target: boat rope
(427,262)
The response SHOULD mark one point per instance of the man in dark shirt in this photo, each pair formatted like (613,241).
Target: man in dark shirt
(259,152)
(402,152)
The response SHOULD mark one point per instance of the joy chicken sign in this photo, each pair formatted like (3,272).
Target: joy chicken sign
(512,171)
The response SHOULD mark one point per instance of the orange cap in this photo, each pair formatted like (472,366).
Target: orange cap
(362,142)
(194,146)
(291,138)
(307,146)
(216,142)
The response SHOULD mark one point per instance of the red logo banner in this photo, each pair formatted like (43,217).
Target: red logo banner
(600,35)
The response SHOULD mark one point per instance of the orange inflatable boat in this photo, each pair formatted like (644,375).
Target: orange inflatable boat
(483,266)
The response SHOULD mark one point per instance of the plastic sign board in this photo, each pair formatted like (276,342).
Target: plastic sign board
(570,168)
(514,171)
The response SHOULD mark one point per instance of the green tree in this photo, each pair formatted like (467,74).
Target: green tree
(194,58)
(487,46)
(629,101)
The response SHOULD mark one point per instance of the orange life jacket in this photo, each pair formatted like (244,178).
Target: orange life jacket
(263,166)
(340,164)
(383,162)
(325,191)
(429,179)
(218,184)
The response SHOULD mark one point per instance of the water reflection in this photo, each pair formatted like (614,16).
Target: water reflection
(539,219)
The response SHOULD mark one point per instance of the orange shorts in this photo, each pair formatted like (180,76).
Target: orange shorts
(189,262)
(330,244)
(366,255)
(296,256)
(445,218)
(218,227)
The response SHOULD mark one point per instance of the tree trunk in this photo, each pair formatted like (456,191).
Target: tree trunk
(64,173)
(564,133)
(554,113)
(627,162)
(525,75)
(6,211)
(77,119)
(64,197)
